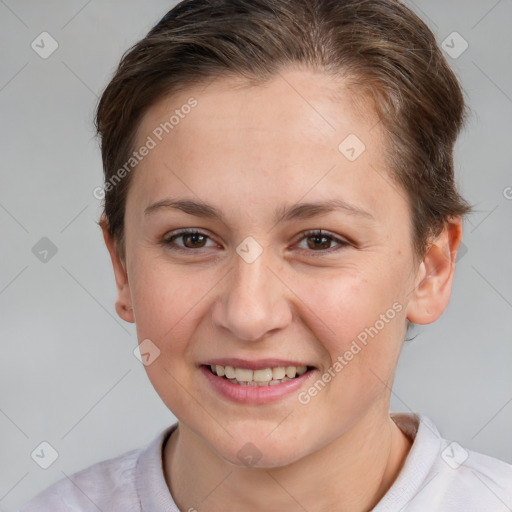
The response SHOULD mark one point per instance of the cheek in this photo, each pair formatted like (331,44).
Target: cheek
(166,301)
(358,319)
(169,301)
(161,298)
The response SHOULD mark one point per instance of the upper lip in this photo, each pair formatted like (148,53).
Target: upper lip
(259,364)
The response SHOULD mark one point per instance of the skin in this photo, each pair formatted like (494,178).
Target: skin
(247,150)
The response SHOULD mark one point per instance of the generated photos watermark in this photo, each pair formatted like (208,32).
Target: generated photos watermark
(304,397)
(157,135)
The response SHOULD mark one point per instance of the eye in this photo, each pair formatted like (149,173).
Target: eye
(318,239)
(191,238)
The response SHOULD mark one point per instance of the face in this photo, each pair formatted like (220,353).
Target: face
(257,286)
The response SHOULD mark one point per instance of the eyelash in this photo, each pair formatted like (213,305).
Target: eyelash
(169,240)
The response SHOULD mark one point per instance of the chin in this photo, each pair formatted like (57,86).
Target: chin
(251,456)
(260,449)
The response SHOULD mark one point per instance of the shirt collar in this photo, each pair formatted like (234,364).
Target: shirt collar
(414,474)
(154,495)
(151,487)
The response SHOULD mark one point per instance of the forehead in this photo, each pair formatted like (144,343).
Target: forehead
(300,102)
(294,136)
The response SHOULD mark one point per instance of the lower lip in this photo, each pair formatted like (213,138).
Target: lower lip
(253,394)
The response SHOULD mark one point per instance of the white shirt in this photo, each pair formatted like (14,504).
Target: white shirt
(438,476)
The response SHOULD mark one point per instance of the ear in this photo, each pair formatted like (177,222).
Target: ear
(123,303)
(434,278)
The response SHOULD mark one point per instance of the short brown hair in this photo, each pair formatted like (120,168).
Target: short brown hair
(384,50)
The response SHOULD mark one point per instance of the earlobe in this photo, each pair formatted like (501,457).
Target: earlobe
(123,302)
(434,278)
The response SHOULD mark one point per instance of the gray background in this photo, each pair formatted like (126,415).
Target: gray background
(67,372)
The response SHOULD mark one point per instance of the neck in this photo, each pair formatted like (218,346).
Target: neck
(350,474)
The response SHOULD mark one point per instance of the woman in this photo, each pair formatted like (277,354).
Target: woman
(280,206)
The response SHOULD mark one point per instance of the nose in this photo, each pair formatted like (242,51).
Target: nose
(253,300)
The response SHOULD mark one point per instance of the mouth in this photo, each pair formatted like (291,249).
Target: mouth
(264,377)
(255,382)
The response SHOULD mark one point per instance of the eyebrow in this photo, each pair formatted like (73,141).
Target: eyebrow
(282,214)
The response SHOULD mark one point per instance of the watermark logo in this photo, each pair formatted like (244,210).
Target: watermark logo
(146,352)
(454,45)
(44,250)
(352,147)
(44,455)
(454,455)
(249,250)
(249,454)
(44,45)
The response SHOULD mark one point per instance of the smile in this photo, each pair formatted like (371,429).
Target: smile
(263,377)
(255,382)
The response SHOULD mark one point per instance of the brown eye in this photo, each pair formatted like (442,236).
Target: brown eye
(319,241)
(194,240)
(190,240)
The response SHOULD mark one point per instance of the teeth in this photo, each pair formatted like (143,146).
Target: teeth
(290,371)
(266,376)
(253,383)
(279,373)
(243,375)
(262,375)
